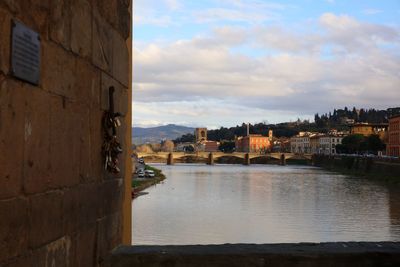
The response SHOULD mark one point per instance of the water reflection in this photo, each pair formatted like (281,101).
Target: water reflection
(199,204)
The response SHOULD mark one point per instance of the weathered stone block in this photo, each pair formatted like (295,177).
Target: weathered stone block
(33,13)
(112,192)
(121,101)
(12,120)
(13,227)
(46,218)
(19,6)
(96,141)
(81,28)
(66,122)
(117,14)
(71,210)
(58,70)
(102,50)
(87,88)
(38,18)
(37,256)
(81,207)
(89,201)
(121,59)
(5,43)
(108,236)
(57,252)
(85,247)
(85,146)
(12,5)
(37,141)
(60,22)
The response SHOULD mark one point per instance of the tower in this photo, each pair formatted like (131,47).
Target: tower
(200,134)
(270,135)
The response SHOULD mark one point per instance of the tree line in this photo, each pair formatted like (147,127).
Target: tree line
(338,119)
(341,116)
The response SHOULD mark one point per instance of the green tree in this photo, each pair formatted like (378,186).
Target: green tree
(375,144)
(186,138)
(353,143)
(227,146)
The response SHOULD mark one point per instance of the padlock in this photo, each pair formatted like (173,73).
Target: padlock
(117,122)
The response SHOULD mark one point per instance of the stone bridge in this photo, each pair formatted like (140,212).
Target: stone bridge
(211,156)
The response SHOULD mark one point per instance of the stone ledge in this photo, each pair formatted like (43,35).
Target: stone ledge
(302,254)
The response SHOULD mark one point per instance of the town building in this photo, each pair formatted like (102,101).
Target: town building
(368,129)
(207,146)
(393,146)
(314,144)
(300,144)
(185,147)
(328,143)
(252,143)
(281,144)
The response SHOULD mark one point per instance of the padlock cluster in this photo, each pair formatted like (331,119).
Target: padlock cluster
(111,147)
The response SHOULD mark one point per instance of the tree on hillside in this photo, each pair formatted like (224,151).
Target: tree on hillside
(186,138)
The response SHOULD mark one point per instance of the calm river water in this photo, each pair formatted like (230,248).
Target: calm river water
(200,204)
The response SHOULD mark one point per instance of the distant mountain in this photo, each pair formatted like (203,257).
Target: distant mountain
(157,134)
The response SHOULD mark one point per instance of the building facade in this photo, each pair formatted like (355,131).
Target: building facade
(393,146)
(300,144)
(315,143)
(368,129)
(207,146)
(328,143)
(253,143)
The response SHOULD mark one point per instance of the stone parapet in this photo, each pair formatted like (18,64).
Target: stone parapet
(303,254)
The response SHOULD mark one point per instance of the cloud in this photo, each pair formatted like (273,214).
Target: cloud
(371,11)
(173,4)
(246,12)
(345,62)
(156,12)
(353,36)
(191,113)
(162,21)
(232,15)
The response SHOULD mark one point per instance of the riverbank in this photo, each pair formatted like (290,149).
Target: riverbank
(140,184)
(370,168)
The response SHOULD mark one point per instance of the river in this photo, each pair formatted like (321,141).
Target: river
(200,204)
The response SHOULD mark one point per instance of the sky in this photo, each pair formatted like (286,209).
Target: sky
(214,63)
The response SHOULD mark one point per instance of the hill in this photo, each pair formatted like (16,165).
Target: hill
(157,134)
(339,119)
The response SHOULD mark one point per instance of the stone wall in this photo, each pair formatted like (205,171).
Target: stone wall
(58,207)
(365,166)
(343,254)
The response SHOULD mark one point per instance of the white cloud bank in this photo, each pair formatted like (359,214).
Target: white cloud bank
(344,62)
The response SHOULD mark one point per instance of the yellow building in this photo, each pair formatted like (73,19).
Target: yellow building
(368,129)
